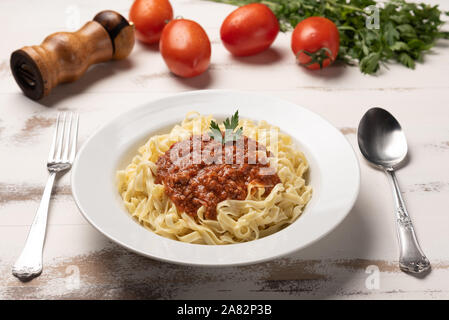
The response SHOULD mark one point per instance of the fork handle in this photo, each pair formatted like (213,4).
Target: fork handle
(412,258)
(29,263)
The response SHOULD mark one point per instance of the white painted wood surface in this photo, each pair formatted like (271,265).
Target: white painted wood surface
(335,267)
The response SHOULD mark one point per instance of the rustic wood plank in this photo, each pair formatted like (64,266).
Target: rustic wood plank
(142,278)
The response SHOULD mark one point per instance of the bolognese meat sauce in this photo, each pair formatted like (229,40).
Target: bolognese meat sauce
(201,171)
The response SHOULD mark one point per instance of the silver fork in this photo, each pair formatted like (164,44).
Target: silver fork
(62,154)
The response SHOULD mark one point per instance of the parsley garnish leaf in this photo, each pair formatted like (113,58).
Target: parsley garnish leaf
(215,131)
(229,134)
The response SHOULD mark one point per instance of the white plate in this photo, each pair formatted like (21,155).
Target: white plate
(334,176)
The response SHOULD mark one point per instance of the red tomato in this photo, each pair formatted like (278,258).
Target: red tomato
(150,17)
(249,29)
(315,42)
(185,47)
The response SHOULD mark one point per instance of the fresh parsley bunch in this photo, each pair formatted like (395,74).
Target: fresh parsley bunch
(406,31)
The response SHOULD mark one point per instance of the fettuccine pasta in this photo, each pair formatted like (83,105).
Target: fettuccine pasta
(258,215)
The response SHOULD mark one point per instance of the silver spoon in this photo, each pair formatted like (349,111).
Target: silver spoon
(383,143)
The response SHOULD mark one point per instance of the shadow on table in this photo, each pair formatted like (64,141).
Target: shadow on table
(94,74)
(269,56)
(202,81)
(336,70)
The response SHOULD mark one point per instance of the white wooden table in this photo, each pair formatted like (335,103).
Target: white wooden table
(357,260)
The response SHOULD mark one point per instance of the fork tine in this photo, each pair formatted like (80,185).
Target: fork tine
(60,140)
(67,139)
(75,137)
(53,144)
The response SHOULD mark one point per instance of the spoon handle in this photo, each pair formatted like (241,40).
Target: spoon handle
(412,258)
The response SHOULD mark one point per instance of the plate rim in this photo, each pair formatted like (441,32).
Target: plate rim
(247,261)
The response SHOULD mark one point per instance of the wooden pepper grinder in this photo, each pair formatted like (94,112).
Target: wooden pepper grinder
(65,56)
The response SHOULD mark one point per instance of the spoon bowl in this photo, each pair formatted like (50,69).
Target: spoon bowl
(381,139)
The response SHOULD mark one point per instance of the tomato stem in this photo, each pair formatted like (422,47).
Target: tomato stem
(316,57)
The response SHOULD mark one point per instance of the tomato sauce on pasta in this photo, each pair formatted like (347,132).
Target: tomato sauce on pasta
(200,171)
